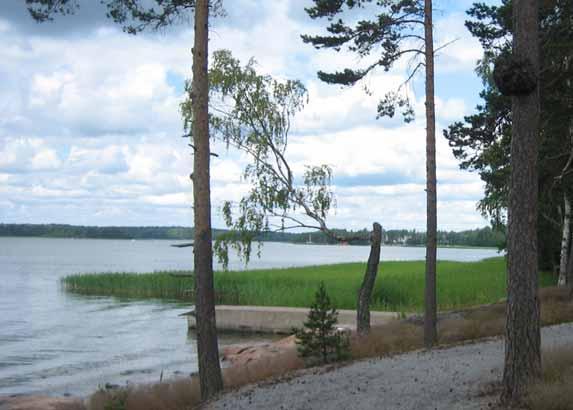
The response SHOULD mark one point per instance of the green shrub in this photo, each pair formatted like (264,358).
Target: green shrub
(320,340)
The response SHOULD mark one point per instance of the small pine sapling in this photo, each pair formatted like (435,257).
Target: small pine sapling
(319,341)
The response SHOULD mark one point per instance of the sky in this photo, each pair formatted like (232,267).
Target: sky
(90,126)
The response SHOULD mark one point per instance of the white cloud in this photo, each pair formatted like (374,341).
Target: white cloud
(109,159)
(90,125)
(178,199)
(4,26)
(27,154)
(45,160)
(449,110)
(460,50)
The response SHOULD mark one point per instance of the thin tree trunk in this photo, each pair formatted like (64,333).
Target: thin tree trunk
(431,307)
(523,341)
(565,241)
(207,347)
(570,271)
(365,292)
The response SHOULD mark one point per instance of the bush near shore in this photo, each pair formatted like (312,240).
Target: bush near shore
(399,286)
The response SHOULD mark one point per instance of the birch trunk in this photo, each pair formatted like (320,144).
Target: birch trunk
(565,241)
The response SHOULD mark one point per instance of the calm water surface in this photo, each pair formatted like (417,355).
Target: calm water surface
(53,342)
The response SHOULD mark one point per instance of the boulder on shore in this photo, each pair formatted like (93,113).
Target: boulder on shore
(238,355)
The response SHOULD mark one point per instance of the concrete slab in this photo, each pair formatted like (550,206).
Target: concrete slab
(271,319)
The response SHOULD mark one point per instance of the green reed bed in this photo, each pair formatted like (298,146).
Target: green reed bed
(159,285)
(399,286)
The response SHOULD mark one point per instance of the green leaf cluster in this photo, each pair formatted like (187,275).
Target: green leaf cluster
(394,30)
(252,113)
(133,16)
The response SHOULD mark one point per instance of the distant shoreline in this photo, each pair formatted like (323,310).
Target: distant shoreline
(476,238)
(389,245)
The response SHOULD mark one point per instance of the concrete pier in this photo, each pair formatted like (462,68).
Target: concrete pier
(269,319)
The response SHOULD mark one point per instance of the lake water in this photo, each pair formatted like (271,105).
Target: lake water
(53,342)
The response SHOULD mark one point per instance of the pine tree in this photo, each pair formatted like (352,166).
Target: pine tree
(522,364)
(319,339)
(136,16)
(399,28)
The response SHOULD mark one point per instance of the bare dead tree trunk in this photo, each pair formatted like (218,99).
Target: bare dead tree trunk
(565,241)
(523,341)
(207,346)
(431,306)
(365,292)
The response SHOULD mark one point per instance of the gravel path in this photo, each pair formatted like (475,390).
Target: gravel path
(449,378)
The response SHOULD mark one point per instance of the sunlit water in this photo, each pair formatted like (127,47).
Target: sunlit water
(54,342)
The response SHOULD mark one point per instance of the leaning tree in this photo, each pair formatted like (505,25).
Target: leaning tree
(253,113)
(396,29)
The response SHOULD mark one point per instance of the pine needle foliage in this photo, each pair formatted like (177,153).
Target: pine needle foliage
(320,341)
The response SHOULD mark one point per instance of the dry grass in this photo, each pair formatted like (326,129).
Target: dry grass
(268,366)
(184,394)
(181,394)
(393,338)
(76,405)
(396,337)
(554,392)
(457,326)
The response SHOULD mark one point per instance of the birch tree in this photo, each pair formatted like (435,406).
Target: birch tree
(254,114)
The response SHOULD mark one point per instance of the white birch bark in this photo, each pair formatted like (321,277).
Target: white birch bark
(565,241)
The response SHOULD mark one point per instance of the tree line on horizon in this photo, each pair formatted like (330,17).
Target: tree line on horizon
(480,237)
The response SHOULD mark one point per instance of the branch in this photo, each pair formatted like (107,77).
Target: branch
(268,138)
(211,153)
(565,169)
(445,45)
(285,228)
(552,221)
(257,158)
(412,74)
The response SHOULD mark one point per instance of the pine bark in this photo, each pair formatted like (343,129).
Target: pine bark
(565,241)
(365,292)
(207,346)
(431,307)
(523,341)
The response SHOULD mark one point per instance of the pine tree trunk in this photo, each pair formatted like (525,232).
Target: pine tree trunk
(365,292)
(523,341)
(431,307)
(565,241)
(207,347)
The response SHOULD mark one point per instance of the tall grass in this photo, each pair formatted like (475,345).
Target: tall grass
(554,391)
(160,285)
(399,286)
